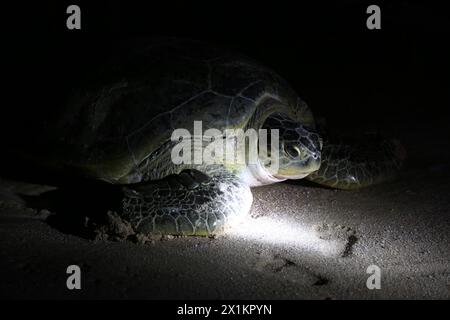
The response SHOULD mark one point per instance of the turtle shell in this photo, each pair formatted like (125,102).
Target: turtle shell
(132,104)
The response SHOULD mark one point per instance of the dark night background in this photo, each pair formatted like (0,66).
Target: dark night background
(395,80)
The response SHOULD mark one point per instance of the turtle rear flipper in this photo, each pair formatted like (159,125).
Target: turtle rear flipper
(189,203)
(352,164)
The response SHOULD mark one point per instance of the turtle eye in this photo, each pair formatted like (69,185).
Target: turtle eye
(292,151)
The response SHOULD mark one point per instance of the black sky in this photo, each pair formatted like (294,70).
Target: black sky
(346,72)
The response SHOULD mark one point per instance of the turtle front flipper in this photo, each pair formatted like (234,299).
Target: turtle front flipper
(352,164)
(189,203)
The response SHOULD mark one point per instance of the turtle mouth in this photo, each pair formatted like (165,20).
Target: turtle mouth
(268,175)
(300,171)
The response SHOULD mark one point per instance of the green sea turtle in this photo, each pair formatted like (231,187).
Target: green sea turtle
(117,127)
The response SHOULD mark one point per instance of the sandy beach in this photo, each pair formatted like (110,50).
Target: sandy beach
(301,242)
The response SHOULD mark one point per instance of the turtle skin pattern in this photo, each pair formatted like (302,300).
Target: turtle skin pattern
(356,163)
(189,203)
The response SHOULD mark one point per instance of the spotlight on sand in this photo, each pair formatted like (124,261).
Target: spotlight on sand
(281,233)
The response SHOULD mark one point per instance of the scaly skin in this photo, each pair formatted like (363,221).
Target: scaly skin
(189,203)
(355,164)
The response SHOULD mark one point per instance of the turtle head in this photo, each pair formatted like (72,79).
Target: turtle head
(299,148)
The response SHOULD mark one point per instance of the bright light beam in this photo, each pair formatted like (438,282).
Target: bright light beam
(282,233)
